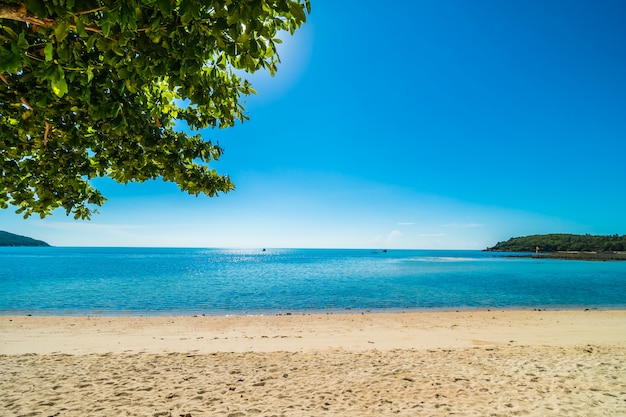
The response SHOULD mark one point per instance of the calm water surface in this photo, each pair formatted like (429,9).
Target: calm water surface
(141,281)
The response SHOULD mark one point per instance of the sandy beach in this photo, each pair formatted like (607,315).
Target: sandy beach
(467,363)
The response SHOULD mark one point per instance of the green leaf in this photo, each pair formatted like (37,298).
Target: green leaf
(59,85)
(80,27)
(91,41)
(61,30)
(115,47)
(106,28)
(298,12)
(37,7)
(9,62)
(10,32)
(48,52)
(42,102)
(22,43)
(165,6)
(155,23)
(49,73)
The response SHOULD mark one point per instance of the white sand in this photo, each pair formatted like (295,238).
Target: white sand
(489,363)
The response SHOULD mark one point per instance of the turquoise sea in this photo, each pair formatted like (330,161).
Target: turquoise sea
(149,281)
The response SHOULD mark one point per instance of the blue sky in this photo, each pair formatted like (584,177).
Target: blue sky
(410,124)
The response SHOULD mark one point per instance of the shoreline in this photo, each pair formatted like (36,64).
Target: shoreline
(470,363)
(295,312)
(309,332)
(568,255)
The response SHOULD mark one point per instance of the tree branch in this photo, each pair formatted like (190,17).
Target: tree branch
(20,13)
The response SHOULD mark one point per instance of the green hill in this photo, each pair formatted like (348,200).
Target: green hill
(9,239)
(562,243)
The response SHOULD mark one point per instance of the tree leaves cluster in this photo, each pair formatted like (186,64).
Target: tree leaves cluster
(95,88)
(563,242)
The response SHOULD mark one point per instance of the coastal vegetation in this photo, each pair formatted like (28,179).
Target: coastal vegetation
(562,242)
(567,246)
(94,88)
(10,239)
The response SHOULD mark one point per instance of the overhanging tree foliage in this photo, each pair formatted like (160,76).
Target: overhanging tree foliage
(93,88)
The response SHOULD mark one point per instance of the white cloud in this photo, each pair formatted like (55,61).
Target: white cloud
(392,236)
(406,223)
(463,226)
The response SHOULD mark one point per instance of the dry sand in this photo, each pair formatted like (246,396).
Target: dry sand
(489,363)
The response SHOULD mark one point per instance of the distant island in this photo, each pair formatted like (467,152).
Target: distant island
(567,246)
(10,239)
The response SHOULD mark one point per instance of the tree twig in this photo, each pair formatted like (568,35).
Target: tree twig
(26,103)
(45,134)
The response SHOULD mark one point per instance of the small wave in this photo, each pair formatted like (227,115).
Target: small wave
(442,259)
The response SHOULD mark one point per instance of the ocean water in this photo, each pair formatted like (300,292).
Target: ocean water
(149,281)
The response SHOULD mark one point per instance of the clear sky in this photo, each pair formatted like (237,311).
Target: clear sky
(407,124)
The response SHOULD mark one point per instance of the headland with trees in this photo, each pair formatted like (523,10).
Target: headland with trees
(10,239)
(567,246)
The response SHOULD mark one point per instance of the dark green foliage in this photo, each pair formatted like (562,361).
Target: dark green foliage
(94,88)
(563,242)
(9,239)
